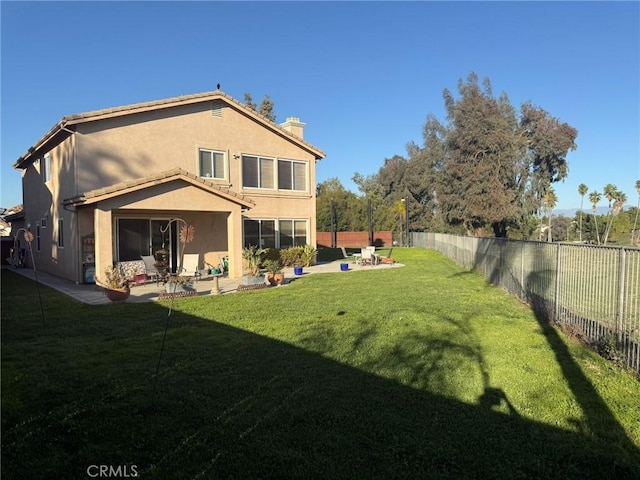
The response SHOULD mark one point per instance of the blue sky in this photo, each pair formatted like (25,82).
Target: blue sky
(362,75)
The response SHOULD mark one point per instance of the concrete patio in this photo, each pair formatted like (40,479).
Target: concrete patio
(94,295)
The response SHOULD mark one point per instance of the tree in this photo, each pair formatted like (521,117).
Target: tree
(594,198)
(617,200)
(248,102)
(373,198)
(491,166)
(337,207)
(561,227)
(635,238)
(550,201)
(582,190)
(266,108)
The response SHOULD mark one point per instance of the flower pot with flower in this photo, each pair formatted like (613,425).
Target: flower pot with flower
(115,284)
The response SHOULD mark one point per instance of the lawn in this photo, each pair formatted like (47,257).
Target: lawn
(424,371)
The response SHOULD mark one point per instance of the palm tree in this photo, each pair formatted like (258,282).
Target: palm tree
(550,200)
(635,222)
(594,198)
(609,193)
(582,190)
(619,199)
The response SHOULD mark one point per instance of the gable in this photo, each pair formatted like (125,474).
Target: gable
(174,189)
(215,102)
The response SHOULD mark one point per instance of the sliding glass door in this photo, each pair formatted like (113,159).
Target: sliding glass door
(141,236)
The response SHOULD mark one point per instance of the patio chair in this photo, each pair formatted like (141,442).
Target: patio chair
(368,256)
(190,265)
(150,269)
(345,255)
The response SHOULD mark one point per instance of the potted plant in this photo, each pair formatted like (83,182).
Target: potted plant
(179,284)
(309,255)
(252,257)
(115,284)
(274,272)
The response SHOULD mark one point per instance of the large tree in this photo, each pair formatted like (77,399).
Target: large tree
(494,166)
(336,207)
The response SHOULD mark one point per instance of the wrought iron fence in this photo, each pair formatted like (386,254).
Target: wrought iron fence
(593,289)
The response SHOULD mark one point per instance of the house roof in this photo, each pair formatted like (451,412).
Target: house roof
(65,127)
(130,186)
(13,213)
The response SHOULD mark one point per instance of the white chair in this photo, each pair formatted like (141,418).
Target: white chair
(150,269)
(365,256)
(190,265)
(369,256)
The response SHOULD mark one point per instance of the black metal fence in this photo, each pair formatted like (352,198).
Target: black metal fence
(594,289)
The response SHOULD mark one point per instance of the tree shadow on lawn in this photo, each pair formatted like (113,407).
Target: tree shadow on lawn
(233,404)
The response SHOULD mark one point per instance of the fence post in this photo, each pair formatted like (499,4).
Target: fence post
(556,306)
(523,294)
(620,309)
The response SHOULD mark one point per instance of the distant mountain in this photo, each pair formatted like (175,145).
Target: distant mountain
(571,212)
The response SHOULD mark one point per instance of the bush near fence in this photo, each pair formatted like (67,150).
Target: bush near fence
(591,291)
(355,239)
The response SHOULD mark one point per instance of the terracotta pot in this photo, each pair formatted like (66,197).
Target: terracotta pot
(118,295)
(275,278)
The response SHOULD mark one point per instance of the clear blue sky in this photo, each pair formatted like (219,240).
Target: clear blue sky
(362,75)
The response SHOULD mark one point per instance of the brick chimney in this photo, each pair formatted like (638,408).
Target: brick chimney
(294,125)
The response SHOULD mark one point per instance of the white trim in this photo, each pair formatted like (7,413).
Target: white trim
(274,171)
(306,175)
(225,163)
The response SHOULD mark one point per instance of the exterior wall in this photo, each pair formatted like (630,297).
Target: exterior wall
(204,210)
(43,201)
(125,148)
(109,151)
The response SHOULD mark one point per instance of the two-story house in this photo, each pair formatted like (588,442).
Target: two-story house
(99,187)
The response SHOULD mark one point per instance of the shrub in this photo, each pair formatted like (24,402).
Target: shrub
(292,256)
(609,347)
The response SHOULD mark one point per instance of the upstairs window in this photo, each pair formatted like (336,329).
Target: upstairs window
(212,164)
(45,167)
(257,172)
(292,175)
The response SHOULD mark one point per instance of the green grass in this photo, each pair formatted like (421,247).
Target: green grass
(421,372)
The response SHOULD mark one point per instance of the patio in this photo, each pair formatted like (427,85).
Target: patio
(94,295)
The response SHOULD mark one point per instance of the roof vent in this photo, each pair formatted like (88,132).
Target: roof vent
(216,110)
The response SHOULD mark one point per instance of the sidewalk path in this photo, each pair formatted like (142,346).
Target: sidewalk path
(93,295)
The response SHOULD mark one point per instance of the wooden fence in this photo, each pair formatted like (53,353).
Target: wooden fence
(354,239)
